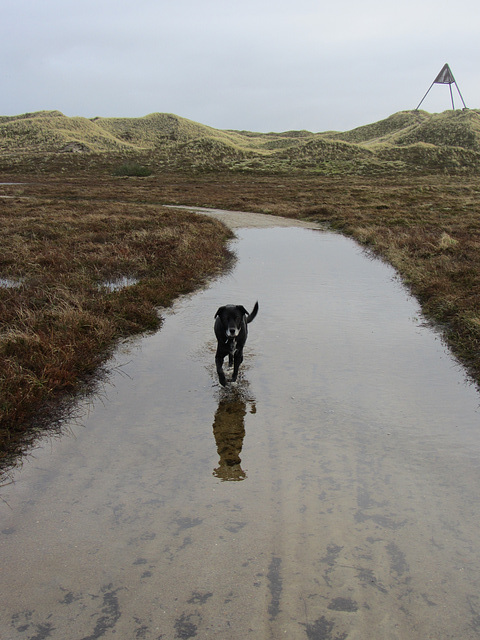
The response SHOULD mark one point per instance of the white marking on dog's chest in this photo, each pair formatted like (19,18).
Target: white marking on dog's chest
(232,346)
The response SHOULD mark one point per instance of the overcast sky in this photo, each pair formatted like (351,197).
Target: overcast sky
(259,65)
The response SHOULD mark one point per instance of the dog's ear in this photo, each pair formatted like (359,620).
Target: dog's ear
(242,309)
(219,311)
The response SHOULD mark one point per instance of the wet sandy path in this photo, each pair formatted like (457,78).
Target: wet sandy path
(352,511)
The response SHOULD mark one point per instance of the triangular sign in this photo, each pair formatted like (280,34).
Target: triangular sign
(445,76)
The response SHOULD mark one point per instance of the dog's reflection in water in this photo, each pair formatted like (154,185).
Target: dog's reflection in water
(229,432)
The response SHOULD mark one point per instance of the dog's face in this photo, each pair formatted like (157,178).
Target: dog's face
(232,318)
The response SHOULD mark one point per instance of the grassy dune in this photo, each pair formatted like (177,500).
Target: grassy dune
(408,140)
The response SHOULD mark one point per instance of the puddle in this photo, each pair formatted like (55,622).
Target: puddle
(119,283)
(10,283)
(332,493)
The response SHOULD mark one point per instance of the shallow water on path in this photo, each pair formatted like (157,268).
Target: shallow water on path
(331,494)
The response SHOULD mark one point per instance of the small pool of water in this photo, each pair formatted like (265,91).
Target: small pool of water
(10,283)
(118,283)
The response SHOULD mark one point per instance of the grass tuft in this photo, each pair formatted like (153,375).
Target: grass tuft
(132,169)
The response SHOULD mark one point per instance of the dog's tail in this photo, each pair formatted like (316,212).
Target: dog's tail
(251,316)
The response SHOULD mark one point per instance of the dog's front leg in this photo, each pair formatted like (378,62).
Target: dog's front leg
(219,362)
(237,361)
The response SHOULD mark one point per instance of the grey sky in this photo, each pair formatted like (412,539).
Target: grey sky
(260,65)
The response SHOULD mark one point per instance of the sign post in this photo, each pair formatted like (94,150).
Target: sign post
(445,77)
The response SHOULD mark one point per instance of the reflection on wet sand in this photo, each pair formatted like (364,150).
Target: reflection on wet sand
(229,431)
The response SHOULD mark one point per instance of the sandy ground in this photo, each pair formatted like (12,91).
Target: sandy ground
(243,220)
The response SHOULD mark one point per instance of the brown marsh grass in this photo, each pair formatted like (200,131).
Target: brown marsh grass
(59,318)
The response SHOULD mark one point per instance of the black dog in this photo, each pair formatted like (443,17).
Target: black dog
(231,331)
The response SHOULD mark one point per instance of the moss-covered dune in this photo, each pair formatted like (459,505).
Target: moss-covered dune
(448,129)
(158,129)
(51,131)
(383,130)
(405,141)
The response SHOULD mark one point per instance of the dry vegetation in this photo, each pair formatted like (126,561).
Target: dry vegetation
(406,188)
(59,316)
